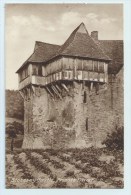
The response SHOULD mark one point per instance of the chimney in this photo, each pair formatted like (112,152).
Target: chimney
(94,35)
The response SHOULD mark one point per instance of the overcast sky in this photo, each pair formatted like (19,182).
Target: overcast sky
(27,23)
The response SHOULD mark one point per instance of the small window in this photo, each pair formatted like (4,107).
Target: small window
(79,64)
(85,97)
(40,70)
(85,65)
(26,72)
(20,76)
(95,66)
(101,67)
(23,74)
(34,70)
(86,124)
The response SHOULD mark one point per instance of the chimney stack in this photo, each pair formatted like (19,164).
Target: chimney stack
(94,35)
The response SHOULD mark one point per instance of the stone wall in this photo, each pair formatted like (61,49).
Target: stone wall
(28,123)
(81,118)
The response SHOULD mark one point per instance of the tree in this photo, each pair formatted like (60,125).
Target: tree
(115,140)
(12,135)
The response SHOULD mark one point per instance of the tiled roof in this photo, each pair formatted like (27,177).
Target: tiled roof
(42,52)
(80,44)
(114,49)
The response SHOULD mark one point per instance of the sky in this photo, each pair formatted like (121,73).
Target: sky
(53,23)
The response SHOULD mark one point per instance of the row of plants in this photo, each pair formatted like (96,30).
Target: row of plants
(106,173)
(25,171)
(41,165)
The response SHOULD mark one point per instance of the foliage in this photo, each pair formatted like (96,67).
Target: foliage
(60,184)
(14,104)
(15,126)
(65,164)
(70,173)
(115,140)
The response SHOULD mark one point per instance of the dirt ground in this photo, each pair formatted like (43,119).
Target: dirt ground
(72,168)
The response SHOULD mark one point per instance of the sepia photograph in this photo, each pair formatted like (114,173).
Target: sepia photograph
(64,96)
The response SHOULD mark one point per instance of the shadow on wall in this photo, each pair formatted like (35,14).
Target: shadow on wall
(67,115)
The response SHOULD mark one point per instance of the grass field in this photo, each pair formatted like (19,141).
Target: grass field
(72,168)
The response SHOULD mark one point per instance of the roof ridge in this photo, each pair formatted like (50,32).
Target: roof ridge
(73,34)
(47,43)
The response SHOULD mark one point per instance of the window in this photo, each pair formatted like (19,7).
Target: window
(85,97)
(95,66)
(20,76)
(85,65)
(101,67)
(71,64)
(86,124)
(23,74)
(88,65)
(34,70)
(40,70)
(79,64)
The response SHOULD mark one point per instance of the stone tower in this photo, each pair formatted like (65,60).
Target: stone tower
(69,92)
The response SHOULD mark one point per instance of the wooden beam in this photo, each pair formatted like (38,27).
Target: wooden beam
(58,87)
(97,88)
(58,93)
(49,91)
(65,87)
(55,90)
(91,86)
(106,86)
(26,89)
(83,84)
(24,92)
(33,89)
(28,92)
(21,94)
